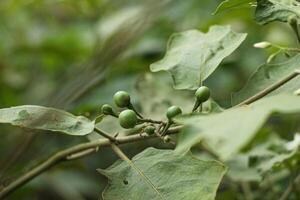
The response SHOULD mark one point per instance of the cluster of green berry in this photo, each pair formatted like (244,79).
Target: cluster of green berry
(129,117)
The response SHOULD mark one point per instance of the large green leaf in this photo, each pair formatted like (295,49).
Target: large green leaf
(38,117)
(276,10)
(232,4)
(171,177)
(267,75)
(192,55)
(239,169)
(270,156)
(228,132)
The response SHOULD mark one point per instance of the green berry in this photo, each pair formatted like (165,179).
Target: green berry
(122,99)
(173,111)
(150,130)
(128,119)
(167,139)
(106,109)
(202,94)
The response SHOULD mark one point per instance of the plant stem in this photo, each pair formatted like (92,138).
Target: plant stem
(70,154)
(166,127)
(196,105)
(151,121)
(106,135)
(136,112)
(270,89)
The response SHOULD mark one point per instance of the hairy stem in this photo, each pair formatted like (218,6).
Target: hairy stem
(72,153)
(270,89)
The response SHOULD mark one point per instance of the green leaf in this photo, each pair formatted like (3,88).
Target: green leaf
(267,75)
(156,94)
(228,132)
(174,176)
(270,156)
(232,4)
(38,117)
(239,169)
(192,56)
(276,10)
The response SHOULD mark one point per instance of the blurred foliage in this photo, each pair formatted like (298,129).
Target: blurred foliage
(77,54)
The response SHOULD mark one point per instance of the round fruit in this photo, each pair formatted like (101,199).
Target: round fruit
(202,94)
(122,99)
(167,139)
(127,119)
(173,111)
(106,109)
(150,130)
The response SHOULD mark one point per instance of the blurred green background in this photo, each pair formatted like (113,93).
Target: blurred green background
(75,55)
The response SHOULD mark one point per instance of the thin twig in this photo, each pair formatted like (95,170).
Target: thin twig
(151,121)
(82,154)
(135,110)
(196,106)
(106,135)
(292,49)
(270,89)
(166,128)
(123,156)
(65,154)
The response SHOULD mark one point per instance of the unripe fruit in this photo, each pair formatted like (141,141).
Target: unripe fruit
(173,111)
(122,99)
(127,119)
(106,109)
(150,130)
(167,139)
(202,94)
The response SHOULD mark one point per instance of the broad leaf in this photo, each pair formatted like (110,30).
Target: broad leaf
(228,132)
(239,169)
(275,156)
(276,10)
(38,117)
(156,94)
(174,177)
(192,55)
(232,4)
(267,75)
